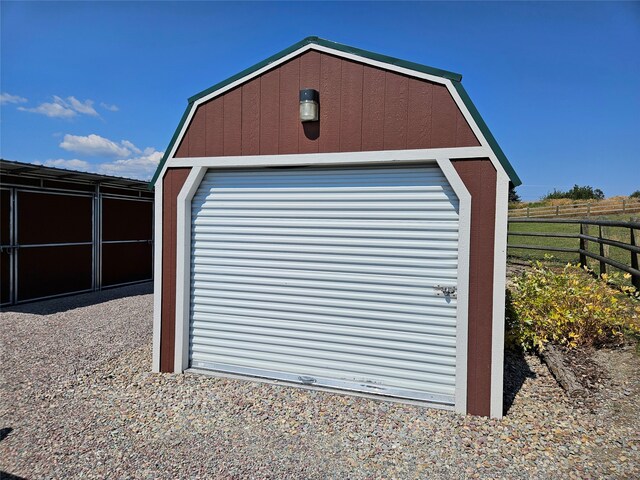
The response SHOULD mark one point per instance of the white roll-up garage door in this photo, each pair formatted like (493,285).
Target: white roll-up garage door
(328,276)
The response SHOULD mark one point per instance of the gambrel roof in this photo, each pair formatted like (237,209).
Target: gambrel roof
(355,54)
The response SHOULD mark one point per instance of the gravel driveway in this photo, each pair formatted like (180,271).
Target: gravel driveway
(78,400)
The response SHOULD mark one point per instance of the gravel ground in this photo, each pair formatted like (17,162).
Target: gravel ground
(80,402)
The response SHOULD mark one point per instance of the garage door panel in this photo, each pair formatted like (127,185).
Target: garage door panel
(436,363)
(337,235)
(202,272)
(400,227)
(320,267)
(418,297)
(229,248)
(436,346)
(329,351)
(436,324)
(219,256)
(303,360)
(215,296)
(209,283)
(282,242)
(328,273)
(206,304)
(428,343)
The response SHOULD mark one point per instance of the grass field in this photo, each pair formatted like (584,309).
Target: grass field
(614,233)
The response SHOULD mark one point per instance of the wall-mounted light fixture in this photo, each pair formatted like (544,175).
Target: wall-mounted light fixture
(309,105)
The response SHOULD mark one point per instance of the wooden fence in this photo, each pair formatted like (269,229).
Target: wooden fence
(582,240)
(587,210)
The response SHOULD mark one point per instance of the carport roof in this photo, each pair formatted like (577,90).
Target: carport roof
(455,78)
(9,167)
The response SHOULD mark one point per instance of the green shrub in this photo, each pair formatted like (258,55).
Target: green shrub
(577,192)
(569,307)
(635,194)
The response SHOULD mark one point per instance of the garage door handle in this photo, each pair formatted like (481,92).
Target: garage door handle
(307,380)
(446,291)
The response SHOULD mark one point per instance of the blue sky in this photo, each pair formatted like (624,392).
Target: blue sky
(102,86)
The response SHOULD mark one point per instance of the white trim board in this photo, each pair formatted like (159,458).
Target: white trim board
(183,244)
(183,267)
(349,56)
(157,279)
(499,285)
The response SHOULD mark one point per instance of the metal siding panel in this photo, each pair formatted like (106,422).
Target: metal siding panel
(45,218)
(47,271)
(126,219)
(327,273)
(126,263)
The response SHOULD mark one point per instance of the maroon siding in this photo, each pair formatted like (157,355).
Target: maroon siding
(46,271)
(172,182)
(479,176)
(126,219)
(126,262)
(54,218)
(361,108)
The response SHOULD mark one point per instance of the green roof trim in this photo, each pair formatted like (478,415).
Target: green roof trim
(454,77)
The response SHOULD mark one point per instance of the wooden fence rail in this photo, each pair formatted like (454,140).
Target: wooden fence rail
(589,209)
(583,238)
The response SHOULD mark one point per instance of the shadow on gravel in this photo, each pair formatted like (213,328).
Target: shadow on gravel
(4,432)
(516,372)
(8,476)
(62,304)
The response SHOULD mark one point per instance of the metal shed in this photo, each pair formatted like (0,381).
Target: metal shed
(334,218)
(65,232)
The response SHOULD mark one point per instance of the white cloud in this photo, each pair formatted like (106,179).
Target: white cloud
(54,110)
(131,161)
(131,146)
(73,164)
(6,98)
(111,108)
(85,107)
(96,145)
(141,167)
(61,108)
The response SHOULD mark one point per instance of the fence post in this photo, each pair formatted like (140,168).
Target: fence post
(588,209)
(528,207)
(583,247)
(624,205)
(603,265)
(635,280)
(557,210)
